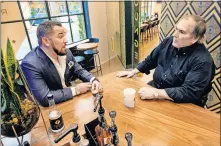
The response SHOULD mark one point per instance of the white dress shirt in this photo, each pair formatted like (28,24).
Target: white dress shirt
(61,67)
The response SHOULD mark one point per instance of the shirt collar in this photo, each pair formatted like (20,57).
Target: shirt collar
(187,49)
(59,57)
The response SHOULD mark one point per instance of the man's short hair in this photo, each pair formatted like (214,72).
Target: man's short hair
(45,28)
(200,27)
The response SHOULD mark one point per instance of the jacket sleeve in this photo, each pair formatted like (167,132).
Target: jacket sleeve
(82,73)
(77,69)
(39,87)
(197,79)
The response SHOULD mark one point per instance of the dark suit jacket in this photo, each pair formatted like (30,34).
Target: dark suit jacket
(43,77)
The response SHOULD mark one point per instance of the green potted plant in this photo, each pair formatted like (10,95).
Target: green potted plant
(18,108)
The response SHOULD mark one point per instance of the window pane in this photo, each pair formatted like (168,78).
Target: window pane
(65,23)
(10,11)
(78,27)
(17,37)
(32,28)
(57,8)
(33,10)
(146,12)
(75,7)
(142,14)
(146,3)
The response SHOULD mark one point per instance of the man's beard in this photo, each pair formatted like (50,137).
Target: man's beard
(56,51)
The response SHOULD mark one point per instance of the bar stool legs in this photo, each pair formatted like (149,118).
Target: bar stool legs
(96,65)
(100,64)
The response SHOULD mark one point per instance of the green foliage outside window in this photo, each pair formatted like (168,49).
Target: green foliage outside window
(81,27)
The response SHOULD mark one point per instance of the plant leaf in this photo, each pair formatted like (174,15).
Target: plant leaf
(3,69)
(2,62)
(17,102)
(5,94)
(3,101)
(10,63)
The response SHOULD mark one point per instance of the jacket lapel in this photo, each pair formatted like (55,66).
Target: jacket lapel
(49,67)
(69,65)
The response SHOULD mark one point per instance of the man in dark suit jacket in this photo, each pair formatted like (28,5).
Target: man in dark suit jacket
(50,67)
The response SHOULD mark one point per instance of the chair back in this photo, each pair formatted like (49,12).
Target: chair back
(158,22)
(94,40)
(143,29)
(209,87)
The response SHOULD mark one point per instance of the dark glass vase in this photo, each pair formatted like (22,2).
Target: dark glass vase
(18,107)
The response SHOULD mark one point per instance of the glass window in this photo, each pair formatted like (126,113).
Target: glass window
(57,8)
(78,27)
(75,8)
(142,14)
(34,13)
(32,29)
(10,11)
(144,11)
(32,10)
(142,4)
(66,25)
(18,38)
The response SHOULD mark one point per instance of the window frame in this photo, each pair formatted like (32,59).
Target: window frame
(84,13)
(147,7)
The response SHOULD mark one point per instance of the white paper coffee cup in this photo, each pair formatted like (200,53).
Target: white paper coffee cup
(129,103)
(129,97)
(129,93)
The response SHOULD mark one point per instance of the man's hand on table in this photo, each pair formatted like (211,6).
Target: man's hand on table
(83,87)
(147,93)
(127,74)
(96,87)
(153,93)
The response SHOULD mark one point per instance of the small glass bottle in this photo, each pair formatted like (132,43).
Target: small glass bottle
(55,117)
(102,132)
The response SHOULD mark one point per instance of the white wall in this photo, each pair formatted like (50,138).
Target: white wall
(98,21)
(113,28)
(157,8)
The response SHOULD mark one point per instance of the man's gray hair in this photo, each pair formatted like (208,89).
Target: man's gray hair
(45,28)
(200,27)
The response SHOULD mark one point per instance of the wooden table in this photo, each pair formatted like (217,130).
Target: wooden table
(87,46)
(152,123)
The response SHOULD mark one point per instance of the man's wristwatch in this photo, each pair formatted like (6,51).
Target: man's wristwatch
(156,95)
(95,79)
